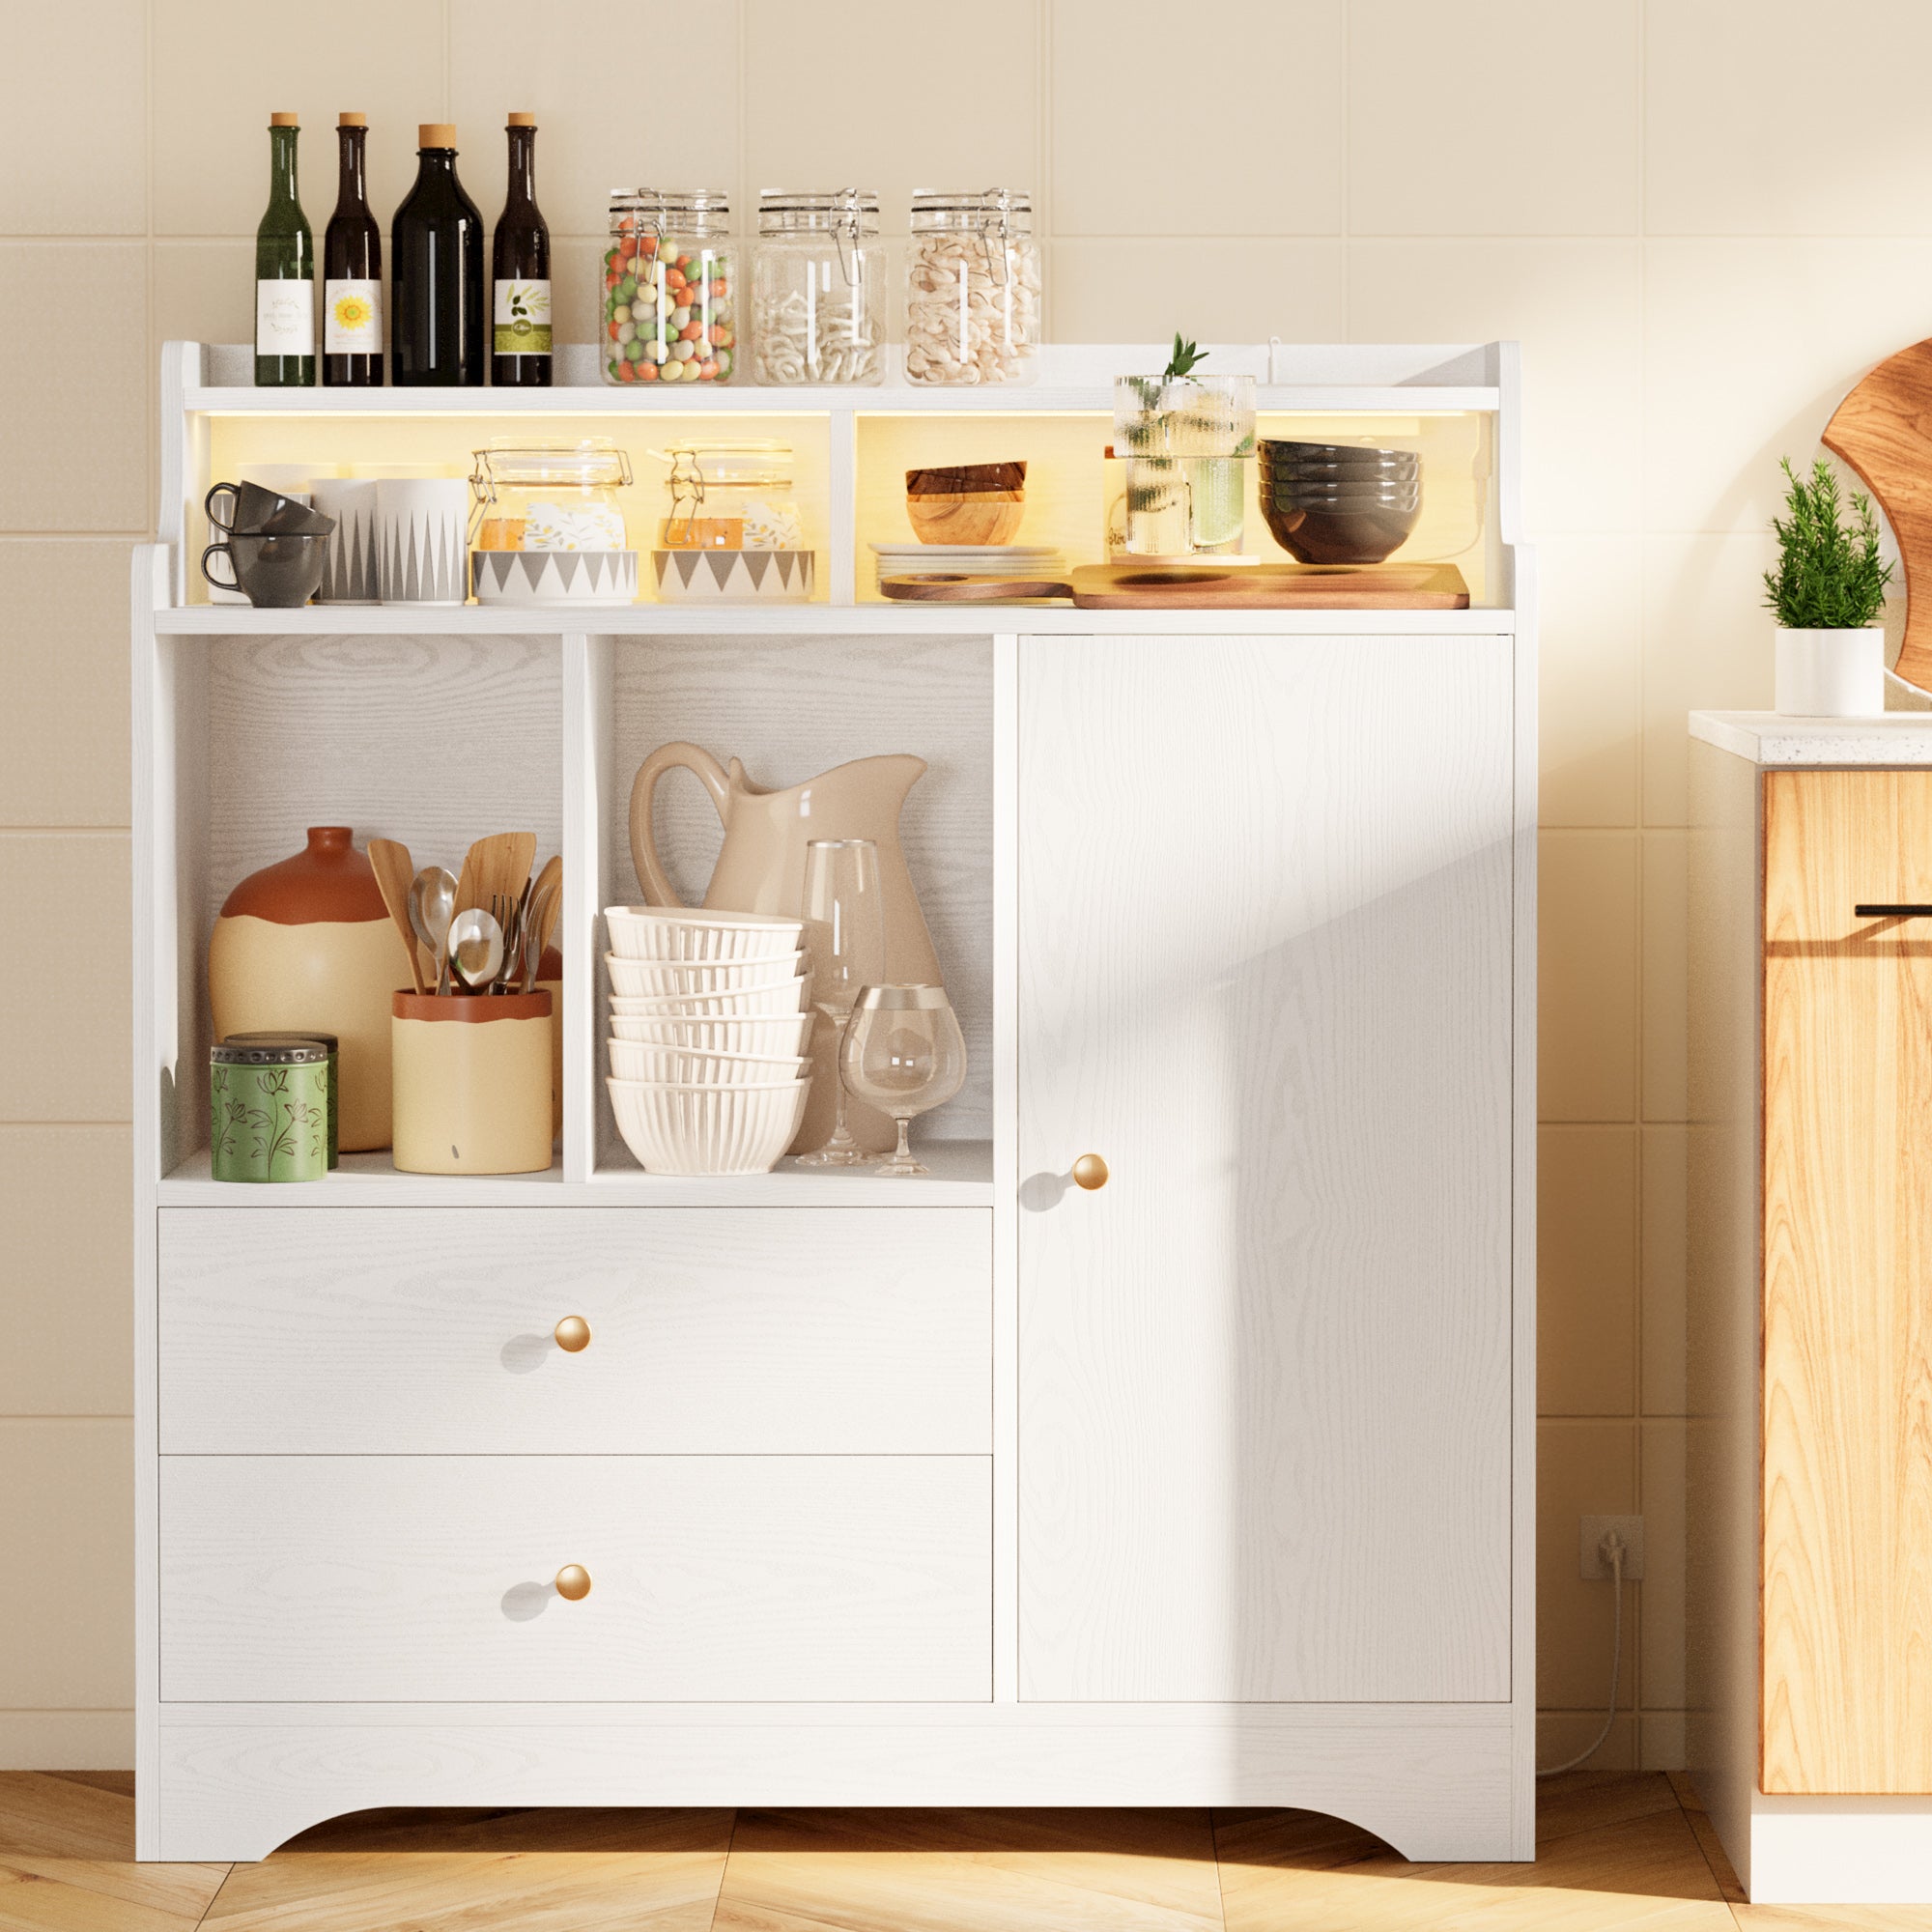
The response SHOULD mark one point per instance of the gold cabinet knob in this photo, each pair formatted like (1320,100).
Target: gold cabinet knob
(1089,1171)
(572,1334)
(573,1582)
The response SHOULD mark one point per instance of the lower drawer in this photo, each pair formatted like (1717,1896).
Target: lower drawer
(354,1578)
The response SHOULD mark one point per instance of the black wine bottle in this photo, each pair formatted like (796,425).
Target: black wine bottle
(284,273)
(436,274)
(520,340)
(351,273)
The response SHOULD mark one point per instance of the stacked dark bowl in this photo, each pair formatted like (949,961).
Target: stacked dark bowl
(1337,502)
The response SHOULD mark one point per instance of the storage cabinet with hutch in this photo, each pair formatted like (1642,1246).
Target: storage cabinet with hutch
(1211,1484)
(1810,1335)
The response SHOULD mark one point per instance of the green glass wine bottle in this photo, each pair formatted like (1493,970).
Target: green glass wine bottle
(284,273)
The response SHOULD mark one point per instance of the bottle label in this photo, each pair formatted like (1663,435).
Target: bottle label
(522,318)
(285,318)
(352,318)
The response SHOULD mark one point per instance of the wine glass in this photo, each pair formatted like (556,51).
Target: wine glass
(844,916)
(903,1054)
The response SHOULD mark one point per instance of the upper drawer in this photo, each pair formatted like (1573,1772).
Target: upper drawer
(713,1330)
(1834,841)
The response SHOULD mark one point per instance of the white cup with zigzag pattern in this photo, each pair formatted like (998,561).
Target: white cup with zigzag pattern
(351,573)
(422,540)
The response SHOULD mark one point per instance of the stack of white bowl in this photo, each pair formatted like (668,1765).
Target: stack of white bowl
(710,1038)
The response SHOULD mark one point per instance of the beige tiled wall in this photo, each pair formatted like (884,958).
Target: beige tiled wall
(1699,245)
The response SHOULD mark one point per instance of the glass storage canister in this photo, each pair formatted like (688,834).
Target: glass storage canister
(817,288)
(732,528)
(550,524)
(972,288)
(267,1111)
(671,289)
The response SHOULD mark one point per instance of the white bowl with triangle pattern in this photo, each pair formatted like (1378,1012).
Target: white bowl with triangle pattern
(554,576)
(734,576)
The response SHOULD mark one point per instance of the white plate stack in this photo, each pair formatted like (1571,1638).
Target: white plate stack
(906,559)
(710,1038)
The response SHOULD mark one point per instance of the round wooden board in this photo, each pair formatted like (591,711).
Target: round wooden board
(1884,430)
(942,586)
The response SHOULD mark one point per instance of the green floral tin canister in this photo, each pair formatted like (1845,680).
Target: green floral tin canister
(269,1111)
(298,1036)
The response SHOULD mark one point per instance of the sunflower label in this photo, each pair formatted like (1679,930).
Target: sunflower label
(352,318)
(521,318)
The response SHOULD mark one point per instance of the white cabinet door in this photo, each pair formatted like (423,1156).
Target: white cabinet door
(1265,950)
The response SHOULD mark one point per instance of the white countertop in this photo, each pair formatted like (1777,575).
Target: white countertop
(1898,738)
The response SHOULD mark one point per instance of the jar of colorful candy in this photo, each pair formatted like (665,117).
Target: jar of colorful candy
(818,289)
(973,309)
(670,290)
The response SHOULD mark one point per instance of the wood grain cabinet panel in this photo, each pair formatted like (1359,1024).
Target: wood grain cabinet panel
(1847,1388)
(424,1579)
(1266,973)
(424,1331)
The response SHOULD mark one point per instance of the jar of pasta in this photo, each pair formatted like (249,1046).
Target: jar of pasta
(818,289)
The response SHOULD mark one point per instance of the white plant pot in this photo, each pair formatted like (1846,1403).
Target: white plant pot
(1831,673)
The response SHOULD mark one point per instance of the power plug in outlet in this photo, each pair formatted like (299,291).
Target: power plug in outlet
(1591,1547)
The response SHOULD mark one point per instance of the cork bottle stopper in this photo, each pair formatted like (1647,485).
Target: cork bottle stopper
(283,120)
(436,134)
(523,120)
(351,120)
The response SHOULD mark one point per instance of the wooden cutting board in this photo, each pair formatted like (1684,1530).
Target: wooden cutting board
(939,586)
(1884,430)
(1273,587)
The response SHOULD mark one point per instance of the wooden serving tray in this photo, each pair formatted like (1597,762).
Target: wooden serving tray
(939,586)
(1273,587)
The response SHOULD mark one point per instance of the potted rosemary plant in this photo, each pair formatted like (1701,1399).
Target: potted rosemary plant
(1828,592)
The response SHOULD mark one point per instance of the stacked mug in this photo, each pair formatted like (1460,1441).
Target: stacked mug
(274,546)
(710,1031)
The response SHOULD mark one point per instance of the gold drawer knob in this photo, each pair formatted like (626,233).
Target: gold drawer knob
(573,1582)
(572,1333)
(1089,1171)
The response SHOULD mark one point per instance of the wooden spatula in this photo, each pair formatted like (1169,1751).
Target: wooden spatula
(393,873)
(497,867)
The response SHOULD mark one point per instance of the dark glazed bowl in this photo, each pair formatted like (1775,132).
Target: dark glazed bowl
(1349,455)
(1318,532)
(279,572)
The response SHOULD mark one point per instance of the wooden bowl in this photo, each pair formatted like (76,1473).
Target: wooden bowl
(973,517)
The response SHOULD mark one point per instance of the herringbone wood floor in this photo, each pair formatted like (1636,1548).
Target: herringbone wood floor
(1616,1850)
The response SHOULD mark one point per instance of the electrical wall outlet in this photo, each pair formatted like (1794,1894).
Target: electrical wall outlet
(1595,1529)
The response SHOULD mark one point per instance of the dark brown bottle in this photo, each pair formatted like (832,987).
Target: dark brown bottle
(351,271)
(436,274)
(520,340)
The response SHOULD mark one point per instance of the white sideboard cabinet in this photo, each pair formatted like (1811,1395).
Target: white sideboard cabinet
(1172,1443)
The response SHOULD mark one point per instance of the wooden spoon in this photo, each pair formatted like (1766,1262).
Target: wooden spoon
(497,866)
(393,873)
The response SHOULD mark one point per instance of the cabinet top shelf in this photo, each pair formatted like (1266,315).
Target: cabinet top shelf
(1074,378)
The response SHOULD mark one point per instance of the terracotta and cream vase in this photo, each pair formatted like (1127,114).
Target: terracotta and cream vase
(308,944)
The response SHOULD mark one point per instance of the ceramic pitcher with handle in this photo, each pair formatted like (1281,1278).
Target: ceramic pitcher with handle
(761,868)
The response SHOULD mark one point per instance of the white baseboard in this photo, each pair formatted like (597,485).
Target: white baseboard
(66,1740)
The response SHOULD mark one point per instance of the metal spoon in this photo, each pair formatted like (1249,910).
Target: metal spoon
(534,922)
(432,905)
(475,948)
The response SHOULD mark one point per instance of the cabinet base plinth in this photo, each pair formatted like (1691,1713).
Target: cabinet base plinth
(1438,1782)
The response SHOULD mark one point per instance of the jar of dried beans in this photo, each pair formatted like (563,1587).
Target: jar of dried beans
(972,288)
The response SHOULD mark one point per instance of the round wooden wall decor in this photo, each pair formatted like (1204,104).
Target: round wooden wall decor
(1884,430)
